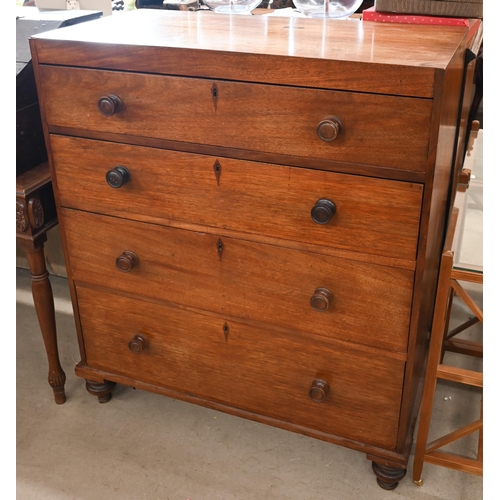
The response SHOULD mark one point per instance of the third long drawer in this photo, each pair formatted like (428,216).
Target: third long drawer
(325,296)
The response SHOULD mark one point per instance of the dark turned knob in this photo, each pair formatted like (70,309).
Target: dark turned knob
(319,390)
(323,211)
(127,261)
(329,128)
(321,299)
(138,343)
(109,105)
(118,176)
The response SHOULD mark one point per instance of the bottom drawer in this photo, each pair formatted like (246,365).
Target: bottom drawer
(262,370)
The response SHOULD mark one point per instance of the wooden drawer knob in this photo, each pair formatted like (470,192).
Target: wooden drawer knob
(329,128)
(127,261)
(117,176)
(109,105)
(319,390)
(138,343)
(321,299)
(323,211)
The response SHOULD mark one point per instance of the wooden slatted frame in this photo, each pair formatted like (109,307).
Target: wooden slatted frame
(440,342)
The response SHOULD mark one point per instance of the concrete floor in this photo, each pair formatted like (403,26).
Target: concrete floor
(146,446)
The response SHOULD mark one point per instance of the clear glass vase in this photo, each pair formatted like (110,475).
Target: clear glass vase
(232,6)
(336,9)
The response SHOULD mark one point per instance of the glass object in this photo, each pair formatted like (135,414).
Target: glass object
(468,241)
(335,9)
(232,6)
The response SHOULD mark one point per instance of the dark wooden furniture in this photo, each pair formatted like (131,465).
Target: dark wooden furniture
(35,215)
(254,209)
(35,206)
(30,145)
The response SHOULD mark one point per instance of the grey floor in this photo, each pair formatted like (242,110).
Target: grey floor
(146,446)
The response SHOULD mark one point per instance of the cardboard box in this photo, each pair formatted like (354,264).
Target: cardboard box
(389,17)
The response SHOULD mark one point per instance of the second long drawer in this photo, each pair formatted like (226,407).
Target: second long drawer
(326,296)
(372,216)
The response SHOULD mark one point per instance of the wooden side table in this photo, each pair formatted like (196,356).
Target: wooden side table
(35,206)
(35,215)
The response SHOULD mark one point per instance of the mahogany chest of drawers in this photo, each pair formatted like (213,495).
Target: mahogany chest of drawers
(253,210)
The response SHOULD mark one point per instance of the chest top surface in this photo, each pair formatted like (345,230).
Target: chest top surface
(371,57)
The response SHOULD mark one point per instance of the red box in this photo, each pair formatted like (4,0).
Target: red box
(389,17)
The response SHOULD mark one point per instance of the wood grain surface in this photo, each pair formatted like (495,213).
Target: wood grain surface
(264,283)
(373,216)
(257,369)
(349,55)
(246,116)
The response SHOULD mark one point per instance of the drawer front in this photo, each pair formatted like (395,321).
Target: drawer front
(259,370)
(369,304)
(374,216)
(376,129)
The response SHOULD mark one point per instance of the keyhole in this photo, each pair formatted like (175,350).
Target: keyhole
(220,248)
(215,94)
(225,329)
(217,171)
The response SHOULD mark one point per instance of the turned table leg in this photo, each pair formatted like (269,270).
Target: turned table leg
(44,306)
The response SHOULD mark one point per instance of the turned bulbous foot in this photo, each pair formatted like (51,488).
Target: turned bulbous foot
(388,477)
(100,389)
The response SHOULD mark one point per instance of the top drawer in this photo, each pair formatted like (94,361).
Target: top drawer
(377,130)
